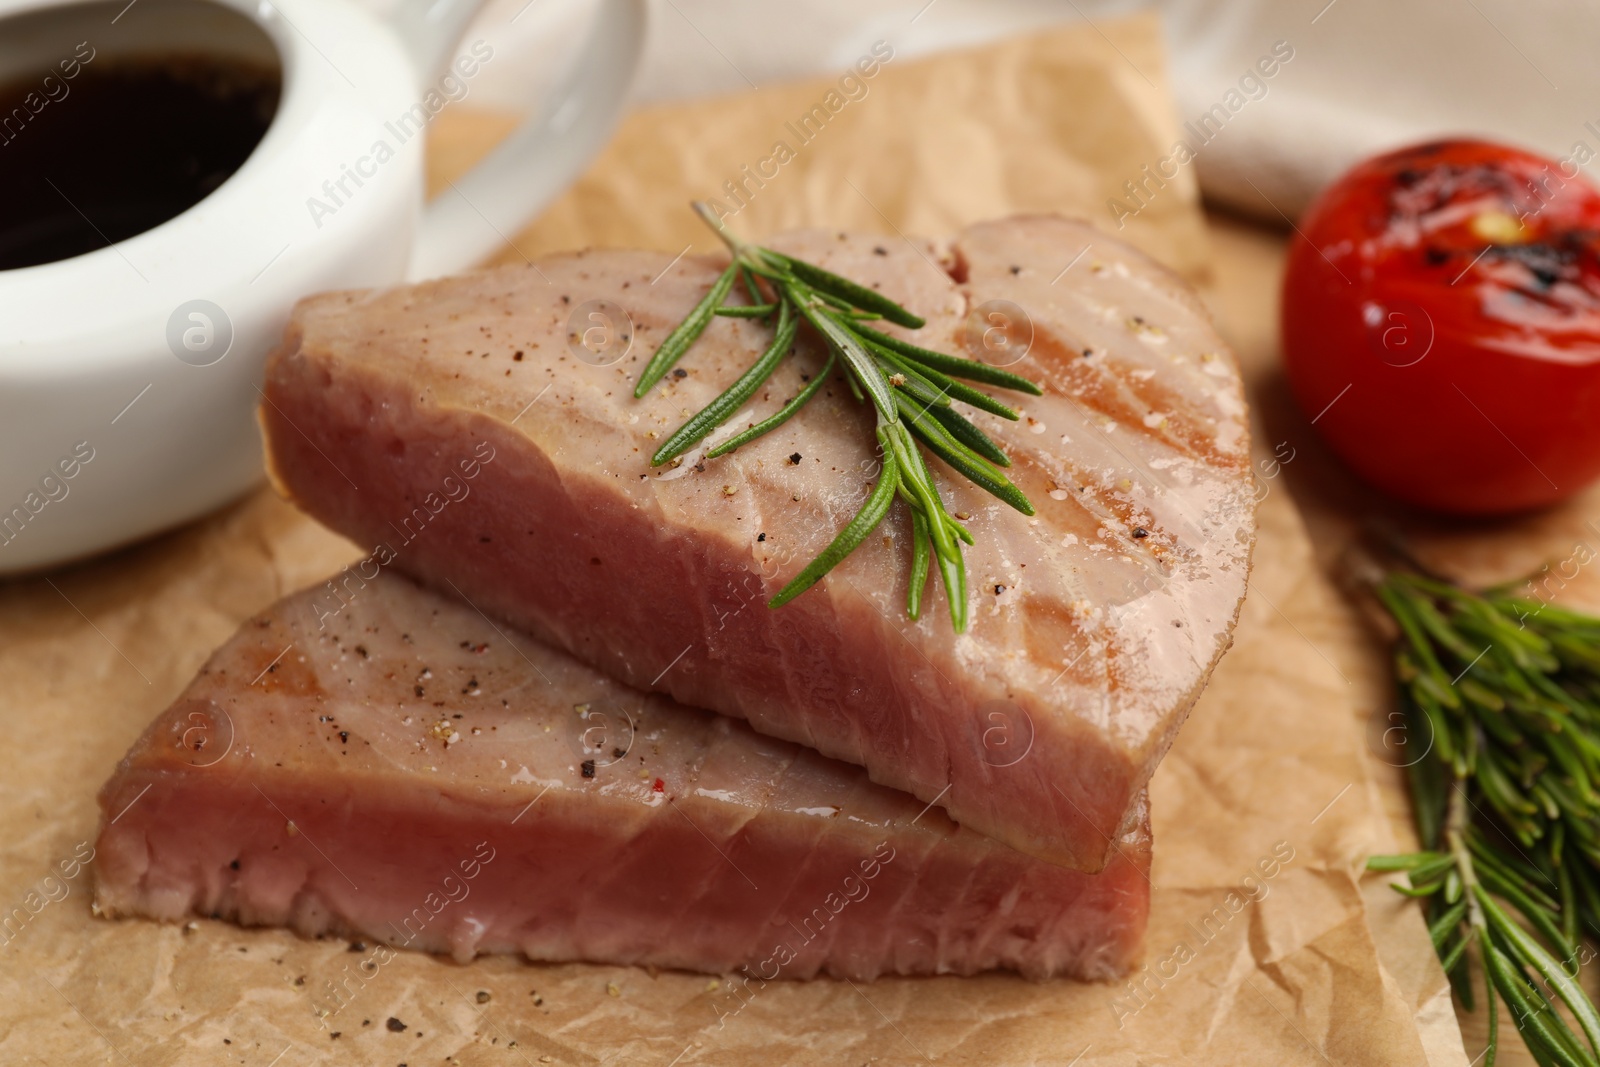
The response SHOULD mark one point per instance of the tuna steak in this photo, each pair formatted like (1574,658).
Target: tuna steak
(1094,624)
(408,771)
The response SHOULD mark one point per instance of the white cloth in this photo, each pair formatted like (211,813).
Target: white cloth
(1365,74)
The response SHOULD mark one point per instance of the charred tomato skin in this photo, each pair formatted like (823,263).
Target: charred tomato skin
(1441,325)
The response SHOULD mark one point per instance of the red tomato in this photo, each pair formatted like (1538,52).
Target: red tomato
(1441,325)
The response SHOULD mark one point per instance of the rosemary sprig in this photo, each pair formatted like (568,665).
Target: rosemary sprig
(1505,692)
(912,390)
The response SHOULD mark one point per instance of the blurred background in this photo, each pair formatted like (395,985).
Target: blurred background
(1365,74)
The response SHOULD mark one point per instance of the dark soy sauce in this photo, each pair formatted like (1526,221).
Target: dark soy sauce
(121,147)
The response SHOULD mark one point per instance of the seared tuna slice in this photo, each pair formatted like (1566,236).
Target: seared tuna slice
(1094,625)
(387,763)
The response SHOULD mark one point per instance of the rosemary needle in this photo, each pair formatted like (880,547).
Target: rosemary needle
(913,392)
(971,436)
(686,333)
(745,311)
(978,470)
(722,408)
(781,416)
(849,293)
(955,366)
(919,564)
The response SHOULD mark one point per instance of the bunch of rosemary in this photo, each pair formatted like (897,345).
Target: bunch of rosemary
(912,390)
(1505,694)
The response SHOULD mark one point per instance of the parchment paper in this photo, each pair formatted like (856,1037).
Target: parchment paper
(1260,946)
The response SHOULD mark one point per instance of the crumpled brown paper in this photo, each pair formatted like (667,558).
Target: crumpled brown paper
(1260,948)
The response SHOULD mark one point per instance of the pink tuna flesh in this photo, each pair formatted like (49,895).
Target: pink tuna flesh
(407,771)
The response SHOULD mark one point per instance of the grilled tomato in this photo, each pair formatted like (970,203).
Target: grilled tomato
(1441,325)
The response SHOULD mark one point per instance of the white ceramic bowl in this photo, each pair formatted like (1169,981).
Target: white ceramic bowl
(128,376)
